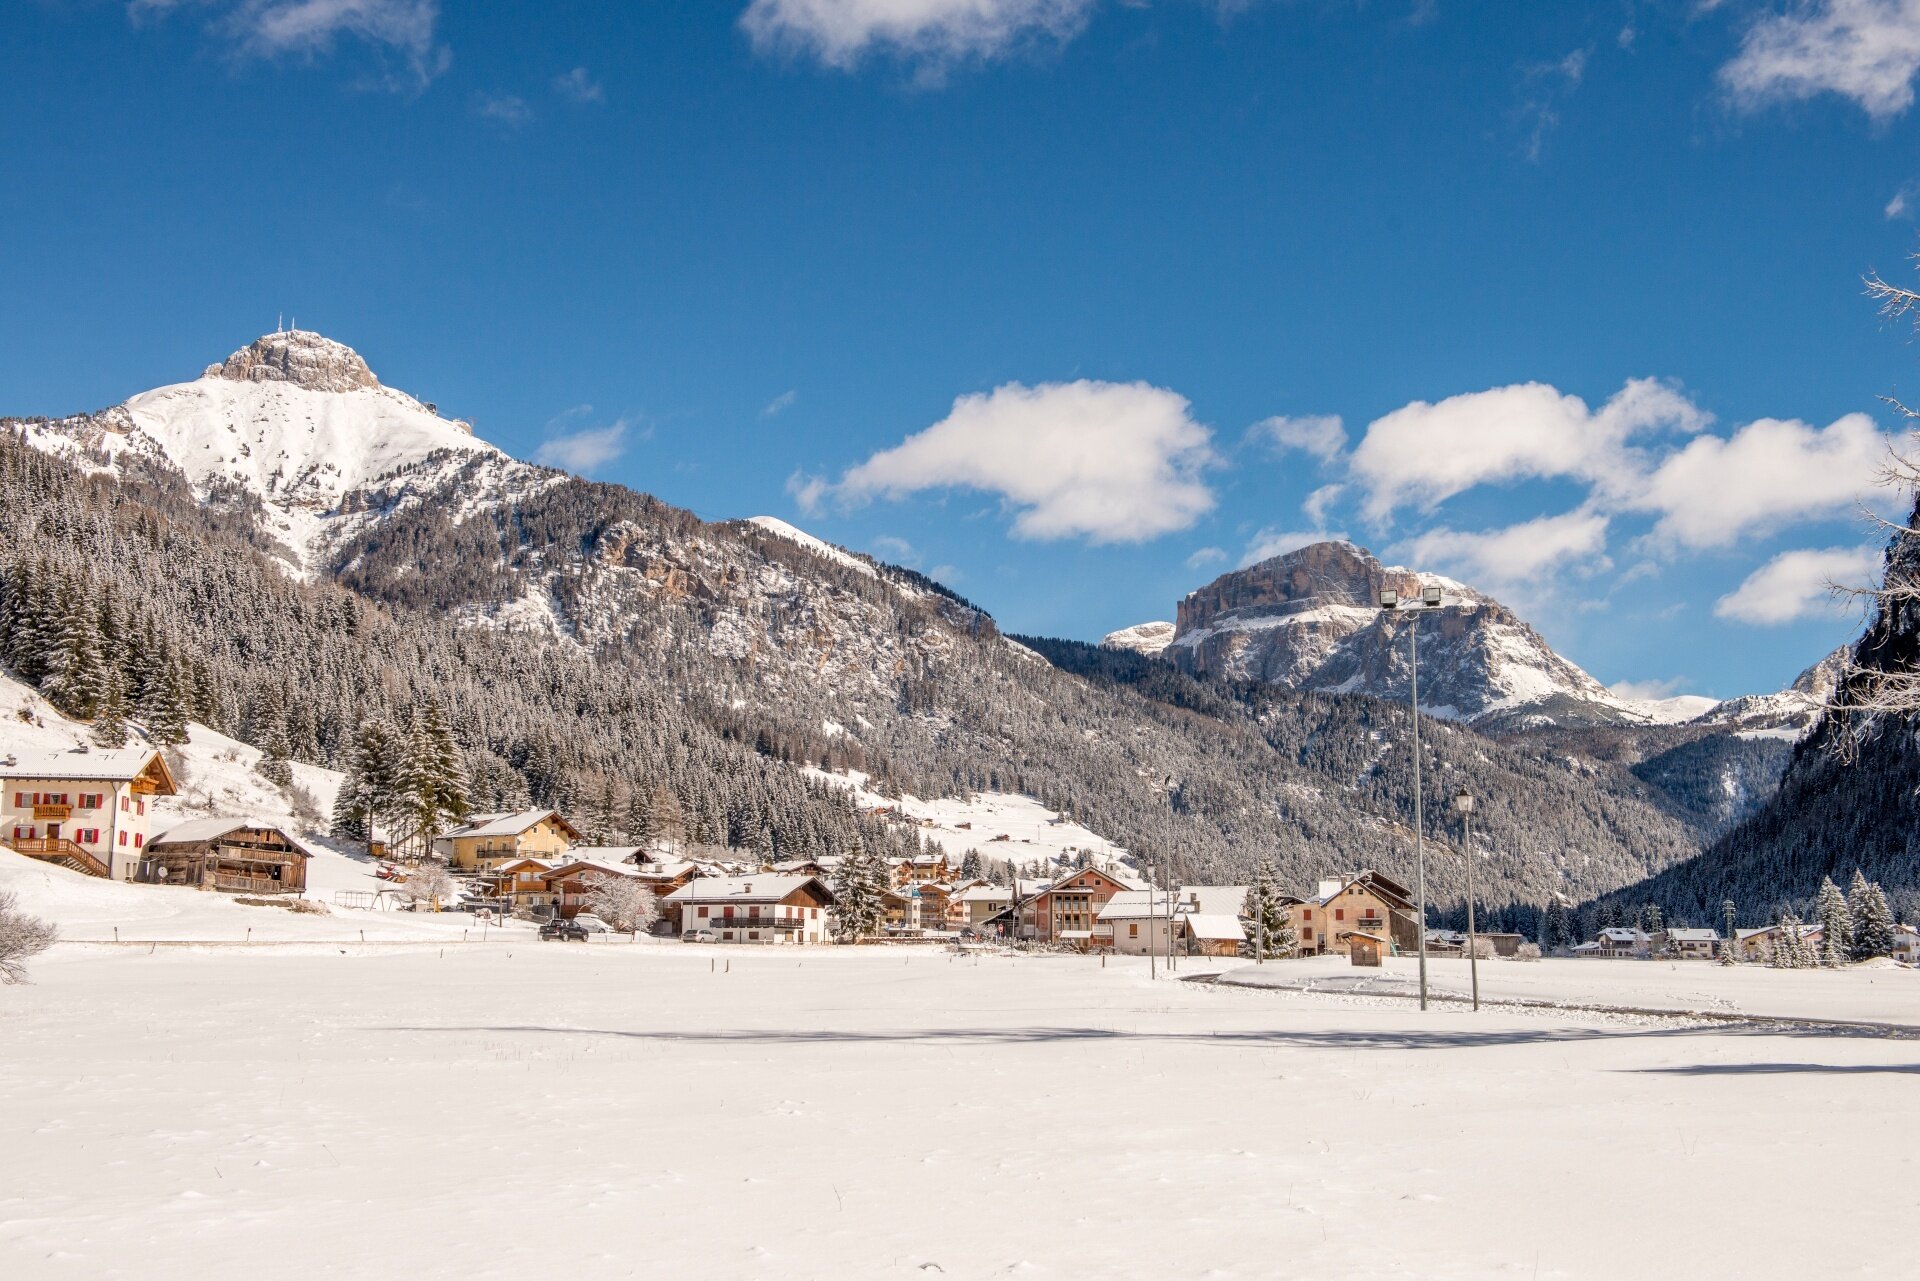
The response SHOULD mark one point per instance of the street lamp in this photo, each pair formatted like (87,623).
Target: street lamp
(1463,806)
(1390,601)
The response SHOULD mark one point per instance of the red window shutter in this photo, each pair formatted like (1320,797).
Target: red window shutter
(1339,913)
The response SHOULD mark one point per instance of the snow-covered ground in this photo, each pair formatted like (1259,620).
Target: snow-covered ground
(1033,831)
(601,1112)
(1879,991)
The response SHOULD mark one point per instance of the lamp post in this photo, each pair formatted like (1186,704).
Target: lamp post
(1390,602)
(1463,806)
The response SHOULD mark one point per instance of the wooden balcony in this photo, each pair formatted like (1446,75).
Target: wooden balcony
(62,851)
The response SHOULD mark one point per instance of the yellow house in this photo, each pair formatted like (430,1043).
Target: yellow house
(488,841)
(1358,902)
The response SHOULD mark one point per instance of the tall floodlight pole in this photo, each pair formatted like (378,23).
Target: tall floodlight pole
(1429,598)
(1463,806)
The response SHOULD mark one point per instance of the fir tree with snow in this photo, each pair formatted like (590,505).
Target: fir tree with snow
(110,720)
(1268,923)
(970,865)
(859,884)
(1836,924)
(1730,942)
(1789,950)
(1557,930)
(1872,918)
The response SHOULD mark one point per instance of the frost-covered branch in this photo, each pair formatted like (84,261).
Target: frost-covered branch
(22,937)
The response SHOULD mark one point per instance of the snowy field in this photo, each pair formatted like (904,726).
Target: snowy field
(528,1110)
(1878,991)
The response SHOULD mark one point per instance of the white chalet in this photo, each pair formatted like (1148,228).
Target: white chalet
(761,908)
(87,809)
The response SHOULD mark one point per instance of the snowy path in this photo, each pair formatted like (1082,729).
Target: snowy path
(546,1111)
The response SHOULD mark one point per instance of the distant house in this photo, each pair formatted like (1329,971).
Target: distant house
(1504,942)
(485,841)
(1365,901)
(1618,940)
(1758,944)
(920,867)
(237,855)
(901,904)
(760,908)
(1067,910)
(1136,923)
(90,810)
(571,884)
(522,882)
(1688,945)
(979,903)
(1906,945)
(1200,920)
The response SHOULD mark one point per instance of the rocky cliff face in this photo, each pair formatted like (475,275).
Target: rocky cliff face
(304,359)
(1141,638)
(1309,620)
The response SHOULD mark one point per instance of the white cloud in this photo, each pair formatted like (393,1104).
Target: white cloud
(586,450)
(1768,474)
(1517,555)
(503,109)
(579,86)
(1206,556)
(1322,435)
(1271,542)
(1650,691)
(1315,507)
(404,29)
(1795,585)
(780,404)
(1865,50)
(1110,462)
(1424,453)
(1545,87)
(937,32)
(1901,202)
(810,493)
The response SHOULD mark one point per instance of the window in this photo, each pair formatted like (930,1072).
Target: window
(1133,931)
(703,910)
(138,840)
(1306,914)
(19,800)
(1339,913)
(123,838)
(140,807)
(125,805)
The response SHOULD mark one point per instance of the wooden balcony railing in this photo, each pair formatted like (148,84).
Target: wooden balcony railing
(62,851)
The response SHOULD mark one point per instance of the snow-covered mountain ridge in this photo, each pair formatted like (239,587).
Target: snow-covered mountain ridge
(297,422)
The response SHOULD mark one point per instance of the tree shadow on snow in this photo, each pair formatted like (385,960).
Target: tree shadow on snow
(1774,1069)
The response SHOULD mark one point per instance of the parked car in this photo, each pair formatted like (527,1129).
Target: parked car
(592,924)
(564,930)
(699,936)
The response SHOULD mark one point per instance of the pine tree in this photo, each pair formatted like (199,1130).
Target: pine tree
(164,710)
(1729,946)
(1873,924)
(1650,920)
(1268,922)
(110,720)
(970,866)
(73,678)
(273,756)
(859,884)
(1558,931)
(371,791)
(666,819)
(1836,924)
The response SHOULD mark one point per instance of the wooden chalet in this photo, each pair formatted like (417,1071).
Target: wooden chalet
(90,810)
(1068,910)
(1358,902)
(760,908)
(486,841)
(233,855)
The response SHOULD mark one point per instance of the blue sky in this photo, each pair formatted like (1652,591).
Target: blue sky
(1075,304)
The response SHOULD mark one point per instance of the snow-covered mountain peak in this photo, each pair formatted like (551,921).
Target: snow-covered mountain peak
(293,419)
(300,357)
(1141,638)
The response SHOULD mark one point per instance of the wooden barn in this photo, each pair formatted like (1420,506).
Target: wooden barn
(234,855)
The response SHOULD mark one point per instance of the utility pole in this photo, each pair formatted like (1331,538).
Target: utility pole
(1429,598)
(1463,803)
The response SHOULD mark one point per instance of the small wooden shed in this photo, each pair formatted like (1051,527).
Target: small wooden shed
(1366,949)
(236,855)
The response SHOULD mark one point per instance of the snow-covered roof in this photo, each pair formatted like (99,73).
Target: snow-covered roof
(1215,926)
(612,866)
(607,853)
(986,894)
(1615,934)
(769,887)
(1213,900)
(107,765)
(1694,936)
(505,824)
(1130,905)
(193,831)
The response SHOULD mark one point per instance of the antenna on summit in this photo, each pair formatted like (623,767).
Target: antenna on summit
(280,323)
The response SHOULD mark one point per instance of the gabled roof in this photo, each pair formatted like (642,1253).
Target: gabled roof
(1694,936)
(562,869)
(760,888)
(194,831)
(1214,926)
(1138,905)
(986,894)
(99,764)
(1214,900)
(1391,891)
(607,853)
(1616,934)
(1120,880)
(508,824)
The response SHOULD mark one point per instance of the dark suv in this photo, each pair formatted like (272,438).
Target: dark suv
(564,930)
